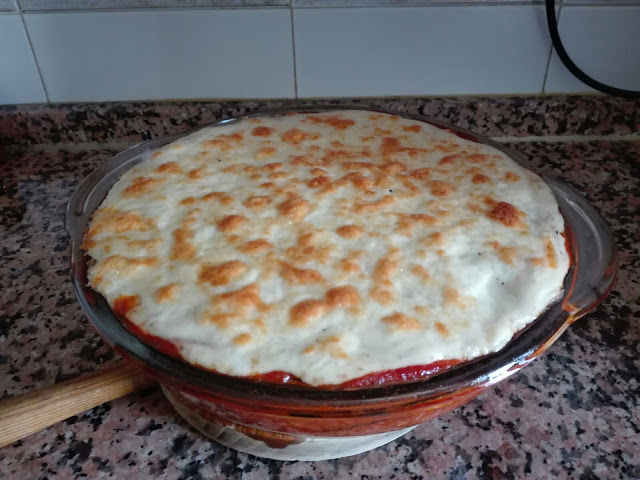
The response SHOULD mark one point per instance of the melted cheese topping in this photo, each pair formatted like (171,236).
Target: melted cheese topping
(329,246)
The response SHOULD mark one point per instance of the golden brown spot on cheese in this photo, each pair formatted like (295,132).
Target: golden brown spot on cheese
(412,128)
(262,131)
(224,142)
(267,185)
(182,248)
(231,223)
(278,175)
(257,202)
(329,345)
(298,276)
(188,201)
(218,143)
(381,295)
(345,296)
(400,321)
(480,178)
(384,269)
(222,197)
(511,177)
(356,179)
(242,339)
(306,311)
(392,168)
(318,182)
(420,173)
(435,238)
(123,265)
(265,152)
(506,254)
(392,146)
(336,122)
(169,167)
(143,244)
(294,136)
(260,323)
(337,144)
(295,208)
(420,272)
(256,246)
(422,310)
(451,295)
(299,160)
(272,167)
(236,169)
(453,298)
(537,261)
(440,188)
(551,254)
(304,251)
(407,222)
(244,299)
(141,185)
(156,154)
(318,172)
(347,266)
(504,213)
(474,207)
(442,329)
(332,156)
(476,158)
(221,320)
(448,160)
(220,274)
(349,231)
(112,220)
(372,207)
(166,293)
(196,173)
(358,166)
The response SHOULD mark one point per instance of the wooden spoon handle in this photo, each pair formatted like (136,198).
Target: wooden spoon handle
(34,411)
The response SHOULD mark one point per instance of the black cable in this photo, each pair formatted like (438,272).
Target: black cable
(573,68)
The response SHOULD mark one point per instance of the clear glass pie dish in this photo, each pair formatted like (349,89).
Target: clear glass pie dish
(297,422)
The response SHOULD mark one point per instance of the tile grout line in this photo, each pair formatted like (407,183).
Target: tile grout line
(119,145)
(546,71)
(293,51)
(35,58)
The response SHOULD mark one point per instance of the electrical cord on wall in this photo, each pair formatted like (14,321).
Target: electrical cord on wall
(572,67)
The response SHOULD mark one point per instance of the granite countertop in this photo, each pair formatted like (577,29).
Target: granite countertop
(574,413)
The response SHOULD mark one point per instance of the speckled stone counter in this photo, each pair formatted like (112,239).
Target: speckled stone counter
(574,413)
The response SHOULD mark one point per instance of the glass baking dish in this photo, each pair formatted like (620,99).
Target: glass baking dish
(294,422)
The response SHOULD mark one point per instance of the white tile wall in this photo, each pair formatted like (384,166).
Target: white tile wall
(134,55)
(609,3)
(420,50)
(604,42)
(387,3)
(119,4)
(8,5)
(19,80)
(149,51)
